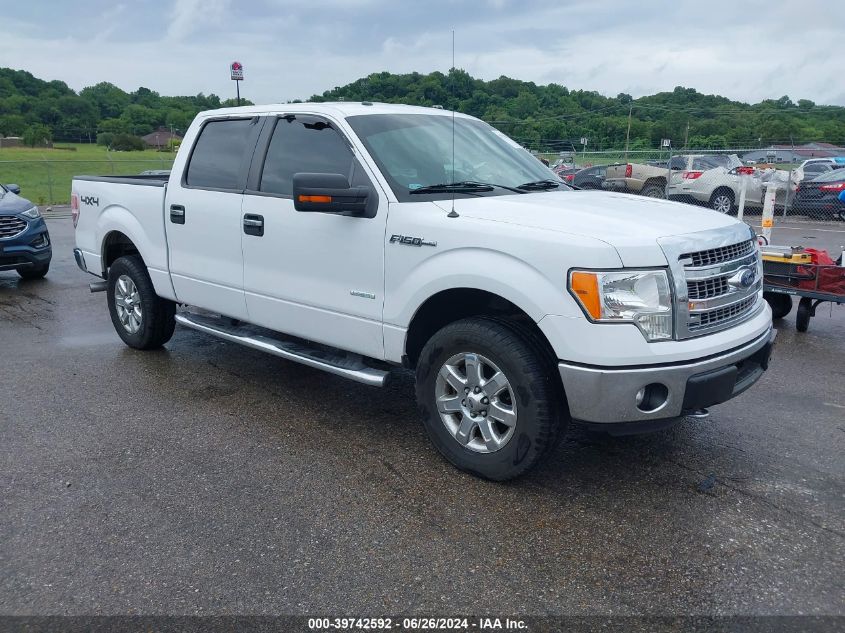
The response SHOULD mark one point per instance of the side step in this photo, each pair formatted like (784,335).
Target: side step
(334,362)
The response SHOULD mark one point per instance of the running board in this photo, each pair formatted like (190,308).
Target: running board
(347,365)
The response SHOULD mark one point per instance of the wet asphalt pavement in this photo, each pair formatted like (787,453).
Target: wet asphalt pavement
(207,478)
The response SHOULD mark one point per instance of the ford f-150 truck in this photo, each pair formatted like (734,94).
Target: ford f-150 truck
(359,237)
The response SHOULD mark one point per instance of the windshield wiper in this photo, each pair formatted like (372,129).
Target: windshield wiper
(541,185)
(464,186)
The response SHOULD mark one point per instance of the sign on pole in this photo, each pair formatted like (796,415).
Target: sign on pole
(237,71)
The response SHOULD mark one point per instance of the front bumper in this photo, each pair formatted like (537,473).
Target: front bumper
(607,395)
(32,248)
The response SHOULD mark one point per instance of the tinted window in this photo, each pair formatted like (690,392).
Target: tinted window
(218,154)
(305,144)
(832,176)
(816,168)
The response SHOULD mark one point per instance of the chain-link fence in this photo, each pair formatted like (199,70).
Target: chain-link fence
(808,180)
(47,181)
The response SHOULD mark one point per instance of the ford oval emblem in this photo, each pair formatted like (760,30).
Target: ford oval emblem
(747,278)
(743,278)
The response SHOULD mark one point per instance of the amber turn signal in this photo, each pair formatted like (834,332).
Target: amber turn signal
(586,288)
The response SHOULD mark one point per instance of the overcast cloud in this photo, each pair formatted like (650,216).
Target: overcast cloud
(744,50)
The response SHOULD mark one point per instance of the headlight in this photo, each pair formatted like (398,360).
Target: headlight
(641,297)
(32,214)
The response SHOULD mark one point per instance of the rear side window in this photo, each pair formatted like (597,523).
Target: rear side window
(218,154)
(306,144)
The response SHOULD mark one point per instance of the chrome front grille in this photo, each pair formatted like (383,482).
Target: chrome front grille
(708,288)
(717,277)
(721,254)
(721,316)
(11,226)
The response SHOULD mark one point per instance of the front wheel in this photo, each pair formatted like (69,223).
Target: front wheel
(489,397)
(141,318)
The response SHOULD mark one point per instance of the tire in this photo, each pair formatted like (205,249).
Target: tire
(526,417)
(35,272)
(803,314)
(722,201)
(653,191)
(141,318)
(780,304)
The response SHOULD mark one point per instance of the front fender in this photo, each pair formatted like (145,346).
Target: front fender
(482,269)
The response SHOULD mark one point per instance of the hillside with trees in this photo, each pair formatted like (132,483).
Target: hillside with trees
(549,117)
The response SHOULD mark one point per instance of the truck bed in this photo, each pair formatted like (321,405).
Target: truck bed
(148,180)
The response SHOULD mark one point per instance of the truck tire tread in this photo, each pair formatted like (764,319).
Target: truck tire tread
(542,418)
(158,322)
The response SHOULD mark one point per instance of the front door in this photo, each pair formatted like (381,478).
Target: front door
(317,276)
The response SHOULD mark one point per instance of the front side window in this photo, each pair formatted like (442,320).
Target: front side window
(304,144)
(415,151)
(218,154)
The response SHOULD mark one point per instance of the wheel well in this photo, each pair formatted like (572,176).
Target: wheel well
(459,303)
(116,245)
(719,190)
(660,182)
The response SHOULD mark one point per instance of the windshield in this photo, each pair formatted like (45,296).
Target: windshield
(414,151)
(703,163)
(836,174)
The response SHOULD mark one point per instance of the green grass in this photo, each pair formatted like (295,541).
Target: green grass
(44,175)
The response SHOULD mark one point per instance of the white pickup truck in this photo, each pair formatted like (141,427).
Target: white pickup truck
(357,237)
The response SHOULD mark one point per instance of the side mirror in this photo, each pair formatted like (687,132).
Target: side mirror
(328,193)
(15,189)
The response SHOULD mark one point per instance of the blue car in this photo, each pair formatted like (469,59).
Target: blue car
(24,239)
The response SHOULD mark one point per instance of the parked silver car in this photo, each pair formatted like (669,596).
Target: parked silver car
(715,180)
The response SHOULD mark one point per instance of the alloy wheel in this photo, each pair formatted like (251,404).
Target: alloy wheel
(476,402)
(127,301)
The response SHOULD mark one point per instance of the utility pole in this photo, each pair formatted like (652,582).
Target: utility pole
(628,133)
(686,136)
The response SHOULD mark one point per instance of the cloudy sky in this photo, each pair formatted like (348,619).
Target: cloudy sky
(745,50)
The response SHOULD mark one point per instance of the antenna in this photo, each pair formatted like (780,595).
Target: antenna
(453,213)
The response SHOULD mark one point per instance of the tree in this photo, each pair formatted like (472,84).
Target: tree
(127,143)
(37,134)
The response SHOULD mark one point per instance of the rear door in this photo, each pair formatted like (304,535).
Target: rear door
(203,217)
(318,276)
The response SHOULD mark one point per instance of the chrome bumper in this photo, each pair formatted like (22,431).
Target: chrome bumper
(608,395)
(80,260)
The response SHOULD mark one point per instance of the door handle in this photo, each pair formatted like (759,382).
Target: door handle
(177,214)
(254,224)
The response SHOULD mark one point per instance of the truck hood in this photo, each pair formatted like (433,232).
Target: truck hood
(631,224)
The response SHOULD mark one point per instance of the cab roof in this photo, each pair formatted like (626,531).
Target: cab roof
(336,108)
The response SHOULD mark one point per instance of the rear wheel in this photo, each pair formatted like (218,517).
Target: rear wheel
(781,304)
(33,272)
(654,191)
(722,201)
(802,316)
(489,398)
(141,318)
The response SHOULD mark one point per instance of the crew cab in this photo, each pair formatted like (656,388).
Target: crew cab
(357,238)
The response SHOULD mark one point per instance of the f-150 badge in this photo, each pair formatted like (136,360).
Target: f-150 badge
(410,241)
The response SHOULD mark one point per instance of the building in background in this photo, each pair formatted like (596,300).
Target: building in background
(161,138)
